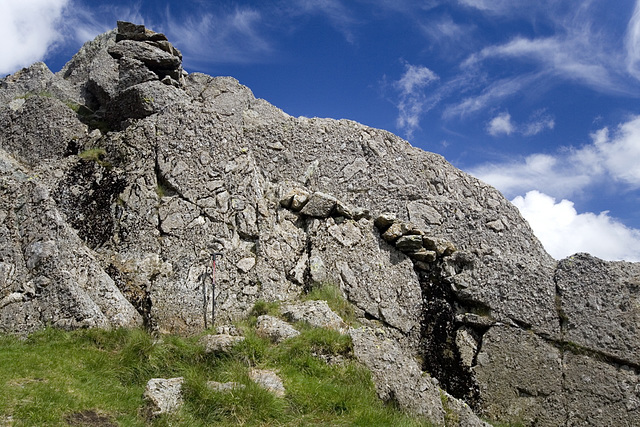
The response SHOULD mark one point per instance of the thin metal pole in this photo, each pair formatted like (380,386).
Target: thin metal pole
(213,288)
(204,296)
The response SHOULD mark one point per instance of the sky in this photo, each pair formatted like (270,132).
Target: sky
(539,98)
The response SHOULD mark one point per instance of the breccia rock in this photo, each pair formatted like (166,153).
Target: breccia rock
(121,176)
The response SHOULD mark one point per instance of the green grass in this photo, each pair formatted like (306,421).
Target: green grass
(95,154)
(336,301)
(53,374)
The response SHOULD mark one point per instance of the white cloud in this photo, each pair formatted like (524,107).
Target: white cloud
(496,91)
(563,231)
(501,124)
(632,42)
(539,123)
(574,57)
(222,37)
(412,102)
(619,153)
(555,175)
(489,5)
(28,29)
(444,29)
(612,156)
(337,14)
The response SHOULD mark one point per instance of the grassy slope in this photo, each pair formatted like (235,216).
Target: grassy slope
(52,375)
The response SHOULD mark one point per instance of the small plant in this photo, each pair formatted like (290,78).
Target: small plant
(336,301)
(262,307)
(95,155)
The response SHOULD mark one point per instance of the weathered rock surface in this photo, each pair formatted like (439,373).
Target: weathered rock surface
(269,380)
(219,343)
(600,305)
(409,386)
(163,396)
(120,176)
(316,314)
(275,329)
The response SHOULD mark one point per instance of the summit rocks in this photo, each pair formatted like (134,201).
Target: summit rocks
(121,175)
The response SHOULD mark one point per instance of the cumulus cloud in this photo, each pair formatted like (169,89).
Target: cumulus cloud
(28,29)
(413,102)
(501,124)
(563,231)
(611,156)
(618,152)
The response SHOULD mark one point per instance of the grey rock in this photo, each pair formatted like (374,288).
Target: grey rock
(598,393)
(320,205)
(269,380)
(219,343)
(396,375)
(599,304)
(130,73)
(384,221)
(509,370)
(152,56)
(163,396)
(409,244)
(315,313)
(41,121)
(130,31)
(275,329)
(228,330)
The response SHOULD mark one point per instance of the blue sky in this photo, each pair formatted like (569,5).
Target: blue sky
(539,98)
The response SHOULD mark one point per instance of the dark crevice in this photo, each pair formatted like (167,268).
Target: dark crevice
(308,282)
(137,294)
(442,358)
(86,196)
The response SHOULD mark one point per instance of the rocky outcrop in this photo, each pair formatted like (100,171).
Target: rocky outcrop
(121,176)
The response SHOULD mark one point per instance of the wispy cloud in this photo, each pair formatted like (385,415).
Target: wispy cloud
(412,99)
(340,17)
(538,122)
(443,30)
(632,42)
(28,29)
(502,124)
(563,231)
(573,57)
(492,94)
(234,36)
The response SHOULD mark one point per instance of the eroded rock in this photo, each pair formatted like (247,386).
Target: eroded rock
(163,396)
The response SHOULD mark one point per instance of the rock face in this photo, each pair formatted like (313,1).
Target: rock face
(121,175)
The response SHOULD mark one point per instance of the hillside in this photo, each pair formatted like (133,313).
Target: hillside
(121,175)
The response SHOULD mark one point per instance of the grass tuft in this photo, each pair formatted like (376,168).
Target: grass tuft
(336,301)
